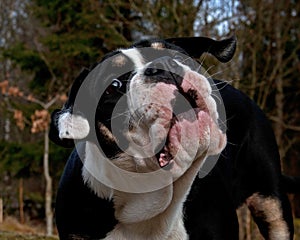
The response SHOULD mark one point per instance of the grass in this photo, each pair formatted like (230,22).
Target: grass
(23,236)
(297,228)
(11,229)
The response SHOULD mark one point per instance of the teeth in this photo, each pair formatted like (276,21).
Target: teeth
(163,160)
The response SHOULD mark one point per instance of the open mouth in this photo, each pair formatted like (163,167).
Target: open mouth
(177,122)
(187,118)
(191,124)
(164,158)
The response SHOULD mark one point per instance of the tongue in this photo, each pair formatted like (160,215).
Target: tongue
(163,161)
(164,158)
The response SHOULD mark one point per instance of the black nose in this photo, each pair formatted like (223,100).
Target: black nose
(160,66)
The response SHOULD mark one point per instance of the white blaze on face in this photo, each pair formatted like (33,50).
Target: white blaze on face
(150,108)
(135,57)
(152,104)
(71,126)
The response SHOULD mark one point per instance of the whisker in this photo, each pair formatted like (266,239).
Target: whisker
(206,71)
(187,58)
(222,82)
(126,113)
(216,97)
(232,144)
(141,118)
(221,71)
(224,123)
(203,59)
(216,73)
(226,83)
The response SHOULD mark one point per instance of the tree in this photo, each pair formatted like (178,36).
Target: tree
(40,123)
(270,63)
(268,35)
(48,71)
(44,44)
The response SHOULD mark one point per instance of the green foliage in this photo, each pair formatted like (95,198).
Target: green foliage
(70,34)
(21,160)
(26,58)
(30,62)
(65,36)
(58,159)
(26,159)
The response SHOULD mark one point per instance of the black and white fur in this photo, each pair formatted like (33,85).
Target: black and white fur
(248,170)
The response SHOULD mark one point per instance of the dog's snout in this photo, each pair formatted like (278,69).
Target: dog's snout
(161,65)
(153,69)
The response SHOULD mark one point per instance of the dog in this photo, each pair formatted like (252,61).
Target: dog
(145,123)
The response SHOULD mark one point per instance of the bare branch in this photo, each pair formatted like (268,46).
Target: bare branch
(286,126)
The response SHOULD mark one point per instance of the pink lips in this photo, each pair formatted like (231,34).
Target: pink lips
(192,125)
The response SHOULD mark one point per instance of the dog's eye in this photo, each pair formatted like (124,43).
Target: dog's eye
(114,86)
(116,83)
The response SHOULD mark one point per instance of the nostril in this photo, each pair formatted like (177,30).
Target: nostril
(160,66)
(150,71)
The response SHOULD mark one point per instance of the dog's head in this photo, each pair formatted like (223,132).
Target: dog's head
(148,101)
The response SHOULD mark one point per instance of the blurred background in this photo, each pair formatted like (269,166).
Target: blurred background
(44,44)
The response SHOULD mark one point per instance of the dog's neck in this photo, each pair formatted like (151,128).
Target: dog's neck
(162,218)
(157,213)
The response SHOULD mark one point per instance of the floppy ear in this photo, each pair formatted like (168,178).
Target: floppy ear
(54,130)
(195,46)
(54,133)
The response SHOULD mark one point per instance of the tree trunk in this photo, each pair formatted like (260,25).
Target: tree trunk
(1,210)
(7,130)
(48,190)
(279,98)
(21,201)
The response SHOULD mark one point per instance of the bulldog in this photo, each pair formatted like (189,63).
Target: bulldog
(153,158)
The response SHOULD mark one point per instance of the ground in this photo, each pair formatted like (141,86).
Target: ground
(22,236)
(11,229)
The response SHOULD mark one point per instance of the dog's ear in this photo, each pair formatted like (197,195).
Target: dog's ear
(54,133)
(223,50)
